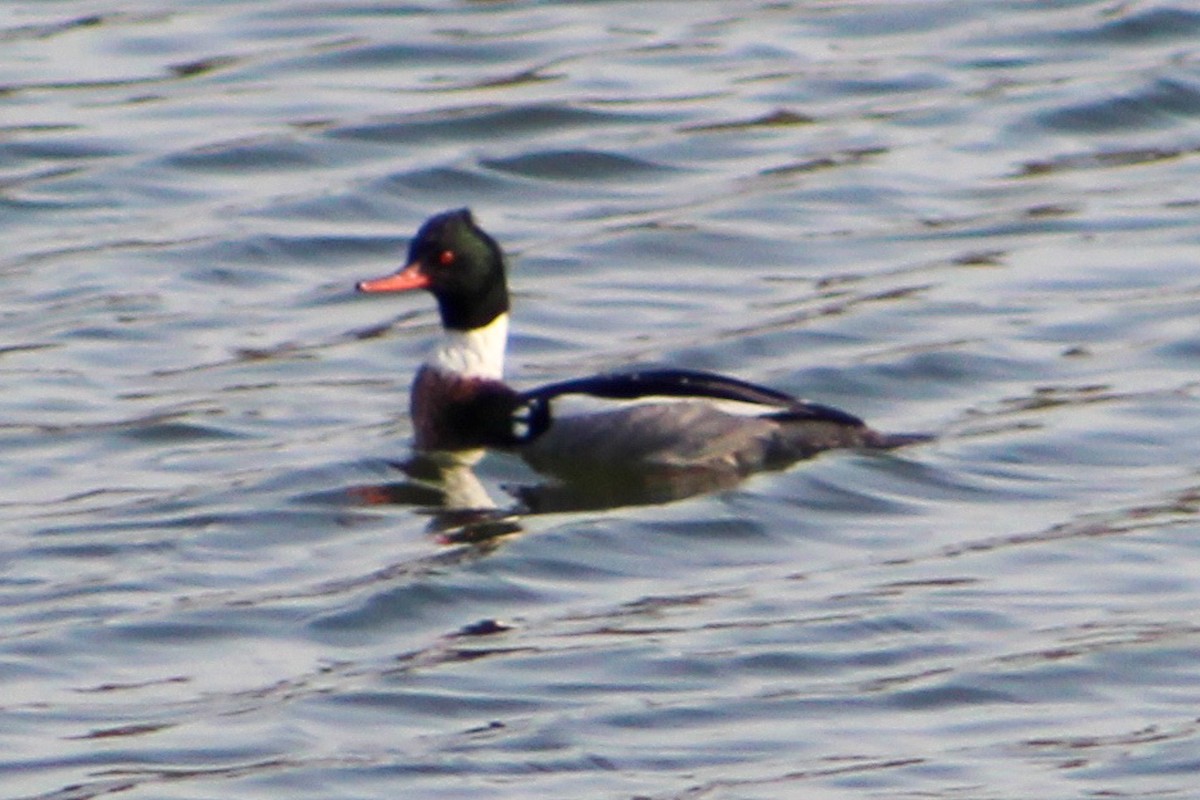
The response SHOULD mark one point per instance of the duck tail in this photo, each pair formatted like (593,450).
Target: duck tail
(890,441)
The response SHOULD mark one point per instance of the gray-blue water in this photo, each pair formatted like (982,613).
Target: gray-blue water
(978,219)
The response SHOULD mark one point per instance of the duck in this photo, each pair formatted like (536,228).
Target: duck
(685,429)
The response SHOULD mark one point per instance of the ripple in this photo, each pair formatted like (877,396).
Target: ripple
(779,118)
(264,154)
(577,165)
(1139,26)
(469,123)
(51,147)
(361,55)
(1102,160)
(51,29)
(1162,103)
(451,186)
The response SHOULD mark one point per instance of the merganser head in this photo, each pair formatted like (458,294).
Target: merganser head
(459,401)
(460,264)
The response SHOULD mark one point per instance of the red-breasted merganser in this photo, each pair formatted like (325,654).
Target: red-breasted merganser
(677,425)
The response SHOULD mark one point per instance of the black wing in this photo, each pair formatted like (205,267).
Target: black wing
(664,383)
(674,383)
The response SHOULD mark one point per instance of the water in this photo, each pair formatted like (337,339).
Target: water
(977,219)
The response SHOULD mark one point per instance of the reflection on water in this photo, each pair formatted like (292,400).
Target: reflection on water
(463,509)
(460,507)
(974,218)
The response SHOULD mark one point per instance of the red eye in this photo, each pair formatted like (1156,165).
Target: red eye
(446,258)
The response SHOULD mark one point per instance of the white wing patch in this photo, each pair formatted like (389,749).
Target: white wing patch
(580,404)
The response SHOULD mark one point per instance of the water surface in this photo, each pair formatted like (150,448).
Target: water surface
(978,220)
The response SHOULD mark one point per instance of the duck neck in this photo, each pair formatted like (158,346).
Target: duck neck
(474,353)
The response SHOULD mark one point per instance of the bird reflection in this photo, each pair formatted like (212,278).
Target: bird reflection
(461,509)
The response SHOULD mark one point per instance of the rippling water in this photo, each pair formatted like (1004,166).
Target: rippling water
(978,219)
